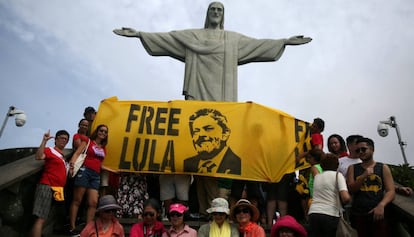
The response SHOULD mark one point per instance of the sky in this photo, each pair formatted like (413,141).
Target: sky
(58,57)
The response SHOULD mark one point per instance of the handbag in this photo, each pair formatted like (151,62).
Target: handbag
(79,161)
(58,193)
(344,229)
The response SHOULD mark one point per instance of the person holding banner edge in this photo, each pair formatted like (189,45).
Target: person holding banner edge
(87,180)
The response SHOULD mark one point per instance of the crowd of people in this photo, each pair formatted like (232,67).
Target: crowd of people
(232,208)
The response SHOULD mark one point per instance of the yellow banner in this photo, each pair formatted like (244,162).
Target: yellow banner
(221,139)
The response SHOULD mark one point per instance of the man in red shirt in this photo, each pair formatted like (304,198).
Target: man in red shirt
(52,180)
(317,128)
(316,141)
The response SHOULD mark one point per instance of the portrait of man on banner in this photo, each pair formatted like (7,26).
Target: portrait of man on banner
(210,133)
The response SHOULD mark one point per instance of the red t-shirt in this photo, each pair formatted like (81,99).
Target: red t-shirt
(94,157)
(79,136)
(54,172)
(317,139)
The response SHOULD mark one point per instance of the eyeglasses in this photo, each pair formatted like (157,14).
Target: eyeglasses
(151,214)
(218,213)
(361,149)
(244,210)
(177,214)
(103,131)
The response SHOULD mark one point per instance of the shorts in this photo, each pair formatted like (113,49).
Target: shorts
(42,201)
(174,185)
(279,191)
(252,189)
(87,178)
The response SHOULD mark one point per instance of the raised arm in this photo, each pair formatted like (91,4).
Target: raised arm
(127,32)
(40,153)
(297,40)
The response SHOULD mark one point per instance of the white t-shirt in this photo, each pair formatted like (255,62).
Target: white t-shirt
(325,194)
(345,162)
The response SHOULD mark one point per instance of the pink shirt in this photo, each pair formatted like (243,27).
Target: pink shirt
(186,232)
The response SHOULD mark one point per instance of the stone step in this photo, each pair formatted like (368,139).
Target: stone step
(195,224)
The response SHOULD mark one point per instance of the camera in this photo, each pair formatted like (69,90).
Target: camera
(382,130)
(20,120)
(19,114)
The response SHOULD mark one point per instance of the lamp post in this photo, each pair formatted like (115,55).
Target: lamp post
(383,132)
(20,118)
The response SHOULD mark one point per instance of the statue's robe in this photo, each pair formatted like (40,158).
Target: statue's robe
(211,58)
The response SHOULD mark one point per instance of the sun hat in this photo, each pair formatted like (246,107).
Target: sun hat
(219,205)
(245,203)
(290,223)
(107,202)
(178,207)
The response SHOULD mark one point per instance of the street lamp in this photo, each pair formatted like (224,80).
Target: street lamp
(383,132)
(20,118)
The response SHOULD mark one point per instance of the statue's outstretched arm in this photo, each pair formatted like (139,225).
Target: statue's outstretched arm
(297,40)
(127,32)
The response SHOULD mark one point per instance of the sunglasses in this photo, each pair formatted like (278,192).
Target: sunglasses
(361,149)
(109,211)
(151,214)
(176,214)
(244,210)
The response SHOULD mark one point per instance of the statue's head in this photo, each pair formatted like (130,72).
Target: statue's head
(215,15)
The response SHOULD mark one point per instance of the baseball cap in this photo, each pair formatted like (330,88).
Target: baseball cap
(178,207)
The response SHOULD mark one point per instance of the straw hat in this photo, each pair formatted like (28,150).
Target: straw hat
(219,205)
(107,202)
(243,203)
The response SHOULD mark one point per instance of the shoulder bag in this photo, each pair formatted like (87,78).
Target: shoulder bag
(344,229)
(79,161)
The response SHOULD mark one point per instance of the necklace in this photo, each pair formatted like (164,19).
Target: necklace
(106,227)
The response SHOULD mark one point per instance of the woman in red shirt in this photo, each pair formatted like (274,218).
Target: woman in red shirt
(87,180)
(150,226)
(336,145)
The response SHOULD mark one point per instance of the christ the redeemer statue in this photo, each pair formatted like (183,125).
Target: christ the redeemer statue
(211,55)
